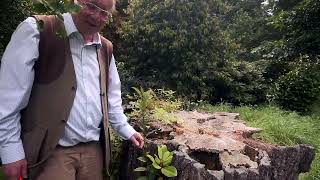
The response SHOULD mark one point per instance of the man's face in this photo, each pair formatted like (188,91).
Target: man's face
(93,15)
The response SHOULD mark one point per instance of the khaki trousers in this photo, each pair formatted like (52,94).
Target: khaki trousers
(81,162)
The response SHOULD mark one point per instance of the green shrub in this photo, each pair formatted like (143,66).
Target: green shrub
(174,44)
(247,84)
(157,166)
(12,13)
(299,89)
(180,45)
(150,105)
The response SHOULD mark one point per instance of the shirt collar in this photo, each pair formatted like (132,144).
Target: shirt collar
(71,28)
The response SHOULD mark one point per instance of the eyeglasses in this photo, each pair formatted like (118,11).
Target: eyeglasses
(94,8)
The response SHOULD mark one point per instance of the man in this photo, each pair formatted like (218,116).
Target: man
(57,96)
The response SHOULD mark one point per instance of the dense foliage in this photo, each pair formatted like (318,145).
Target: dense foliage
(297,53)
(12,12)
(300,27)
(220,51)
(179,44)
(182,45)
(299,89)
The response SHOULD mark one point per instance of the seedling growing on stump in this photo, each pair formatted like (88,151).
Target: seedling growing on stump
(157,166)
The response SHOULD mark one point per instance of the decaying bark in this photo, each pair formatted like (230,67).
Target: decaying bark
(220,146)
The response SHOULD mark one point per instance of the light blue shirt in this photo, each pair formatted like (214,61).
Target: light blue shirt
(16,79)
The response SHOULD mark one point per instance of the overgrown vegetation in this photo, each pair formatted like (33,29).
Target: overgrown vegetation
(12,12)
(116,151)
(149,106)
(220,51)
(184,47)
(152,105)
(299,89)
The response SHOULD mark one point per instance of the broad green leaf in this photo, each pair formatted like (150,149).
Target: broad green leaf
(166,155)
(150,157)
(160,151)
(164,148)
(157,160)
(155,165)
(140,169)
(142,159)
(168,161)
(169,171)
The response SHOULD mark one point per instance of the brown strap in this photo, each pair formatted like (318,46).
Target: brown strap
(108,48)
(104,58)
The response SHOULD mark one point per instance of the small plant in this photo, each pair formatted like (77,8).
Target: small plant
(157,166)
(152,105)
(143,104)
(167,101)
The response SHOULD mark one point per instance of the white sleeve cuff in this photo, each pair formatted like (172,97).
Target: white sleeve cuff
(126,132)
(118,122)
(12,152)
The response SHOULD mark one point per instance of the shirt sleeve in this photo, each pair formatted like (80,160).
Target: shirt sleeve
(16,79)
(117,118)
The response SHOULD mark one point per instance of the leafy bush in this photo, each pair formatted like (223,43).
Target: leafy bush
(150,106)
(247,85)
(180,45)
(12,13)
(299,90)
(296,24)
(174,44)
(143,104)
(116,151)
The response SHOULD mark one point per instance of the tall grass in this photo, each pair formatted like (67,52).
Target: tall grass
(279,127)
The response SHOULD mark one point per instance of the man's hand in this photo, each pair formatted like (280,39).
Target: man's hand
(15,170)
(137,140)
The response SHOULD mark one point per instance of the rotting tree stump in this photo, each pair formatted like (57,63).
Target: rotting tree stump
(220,146)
